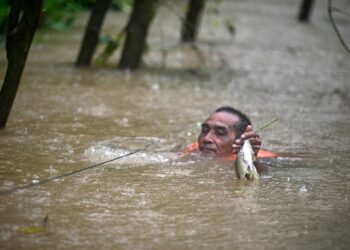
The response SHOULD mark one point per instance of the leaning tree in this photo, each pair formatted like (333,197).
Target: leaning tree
(143,12)
(23,21)
(190,24)
(92,33)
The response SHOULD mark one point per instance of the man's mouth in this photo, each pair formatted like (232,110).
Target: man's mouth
(207,151)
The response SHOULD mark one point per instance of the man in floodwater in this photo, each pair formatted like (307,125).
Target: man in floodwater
(223,134)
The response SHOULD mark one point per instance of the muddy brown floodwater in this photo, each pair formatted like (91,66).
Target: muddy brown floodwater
(273,67)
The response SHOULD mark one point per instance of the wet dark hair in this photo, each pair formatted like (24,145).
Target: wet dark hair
(240,126)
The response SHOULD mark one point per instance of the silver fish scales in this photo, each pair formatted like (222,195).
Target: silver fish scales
(244,164)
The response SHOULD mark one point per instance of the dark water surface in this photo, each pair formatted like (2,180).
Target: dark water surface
(65,119)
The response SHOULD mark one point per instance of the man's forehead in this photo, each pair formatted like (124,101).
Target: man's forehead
(222,119)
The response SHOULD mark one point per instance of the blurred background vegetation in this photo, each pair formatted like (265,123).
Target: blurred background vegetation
(60,14)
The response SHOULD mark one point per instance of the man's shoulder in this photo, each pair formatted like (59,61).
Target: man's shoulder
(191,148)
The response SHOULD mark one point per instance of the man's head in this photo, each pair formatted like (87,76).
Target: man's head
(220,130)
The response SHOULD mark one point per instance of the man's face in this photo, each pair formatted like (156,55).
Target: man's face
(218,134)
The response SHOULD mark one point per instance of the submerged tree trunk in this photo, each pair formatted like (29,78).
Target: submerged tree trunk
(305,10)
(20,34)
(92,33)
(142,15)
(190,25)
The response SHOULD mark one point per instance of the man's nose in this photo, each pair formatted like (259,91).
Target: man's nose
(208,138)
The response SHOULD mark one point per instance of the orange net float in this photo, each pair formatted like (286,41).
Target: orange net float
(193,147)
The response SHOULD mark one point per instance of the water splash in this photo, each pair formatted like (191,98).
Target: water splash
(303,189)
(105,150)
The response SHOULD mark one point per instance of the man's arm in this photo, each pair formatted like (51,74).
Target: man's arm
(260,167)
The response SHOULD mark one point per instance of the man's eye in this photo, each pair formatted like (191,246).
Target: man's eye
(221,132)
(205,130)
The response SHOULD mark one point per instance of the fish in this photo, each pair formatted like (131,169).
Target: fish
(244,163)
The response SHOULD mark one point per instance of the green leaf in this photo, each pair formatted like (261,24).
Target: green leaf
(111,47)
(31,229)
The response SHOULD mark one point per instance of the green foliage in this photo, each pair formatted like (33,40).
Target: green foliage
(111,46)
(4,12)
(122,5)
(60,14)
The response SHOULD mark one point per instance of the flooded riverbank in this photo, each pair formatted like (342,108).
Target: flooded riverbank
(65,119)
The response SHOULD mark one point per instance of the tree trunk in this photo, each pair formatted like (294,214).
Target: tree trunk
(20,34)
(305,10)
(190,25)
(92,33)
(142,15)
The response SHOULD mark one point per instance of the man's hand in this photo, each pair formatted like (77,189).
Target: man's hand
(253,138)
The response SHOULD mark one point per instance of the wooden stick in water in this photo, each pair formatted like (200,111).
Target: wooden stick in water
(267,125)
